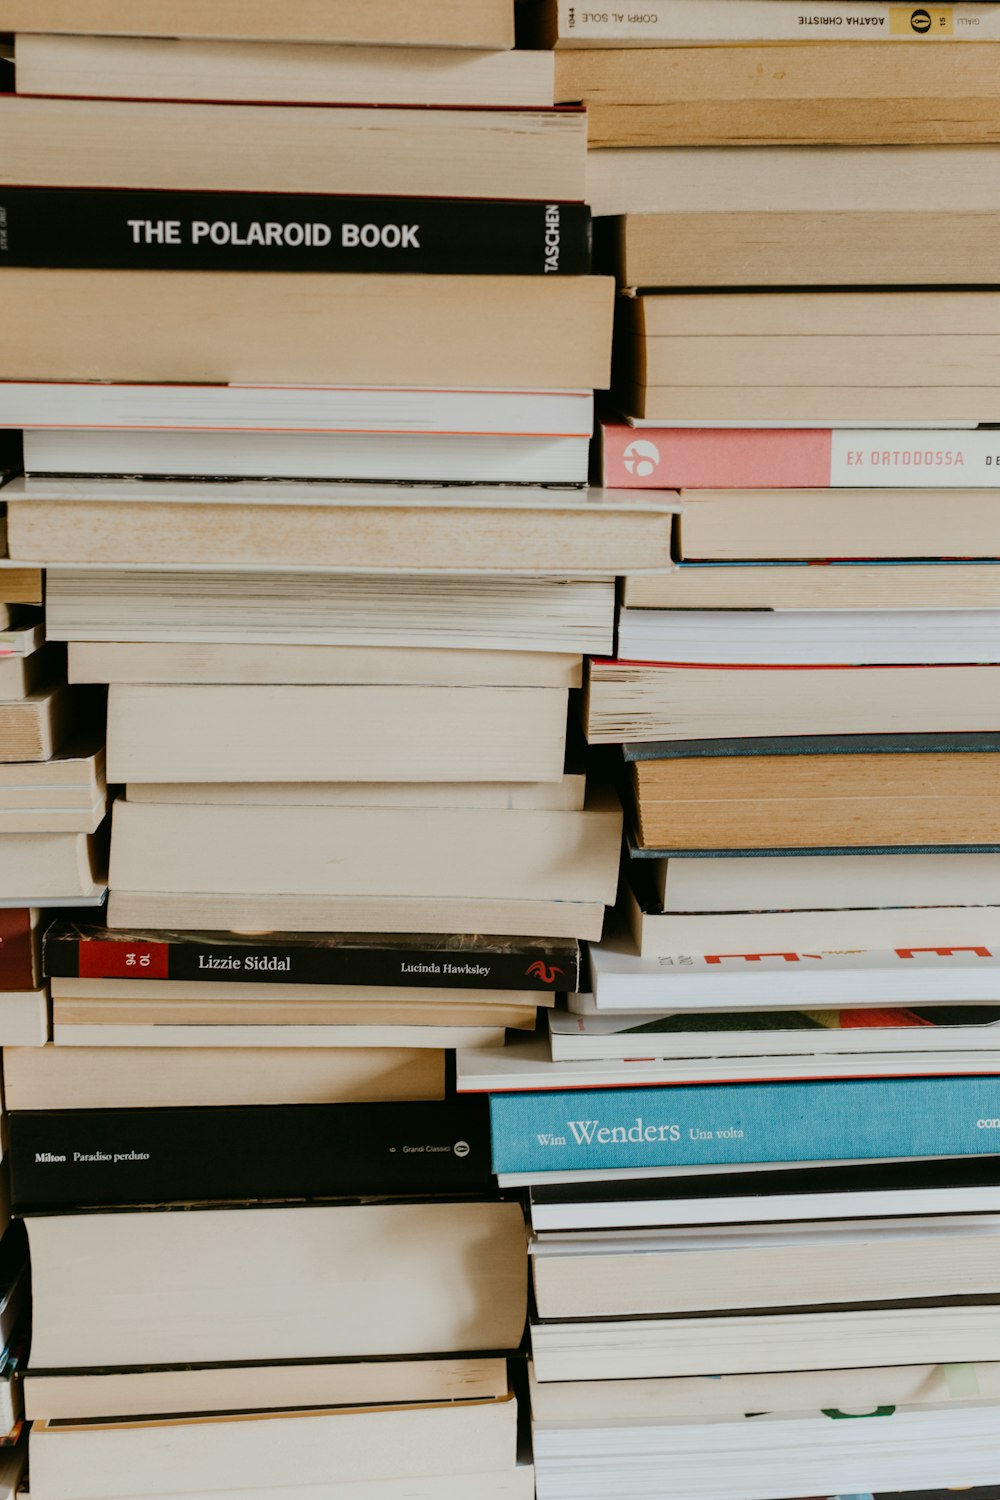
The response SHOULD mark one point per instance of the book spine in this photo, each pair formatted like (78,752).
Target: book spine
(693,458)
(668,22)
(611,1129)
(19,968)
(125,229)
(115,1157)
(524,967)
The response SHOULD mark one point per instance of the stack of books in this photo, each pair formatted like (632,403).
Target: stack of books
(303,347)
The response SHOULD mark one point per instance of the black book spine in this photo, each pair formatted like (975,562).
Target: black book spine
(139,230)
(86,1158)
(522,965)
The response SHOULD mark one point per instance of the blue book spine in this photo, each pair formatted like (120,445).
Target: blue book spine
(604,1129)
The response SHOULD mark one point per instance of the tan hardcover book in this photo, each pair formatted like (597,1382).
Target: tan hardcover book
(194,607)
(513,331)
(140,1033)
(636,701)
(141,1393)
(740,525)
(859,798)
(882,94)
(149,662)
(137,1078)
(836,248)
(166,68)
(348,527)
(215,1286)
(408,23)
(947,585)
(538,154)
(230,734)
(20,586)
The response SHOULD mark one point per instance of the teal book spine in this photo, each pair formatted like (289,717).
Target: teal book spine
(733,1124)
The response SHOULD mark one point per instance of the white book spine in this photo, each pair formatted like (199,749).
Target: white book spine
(662,23)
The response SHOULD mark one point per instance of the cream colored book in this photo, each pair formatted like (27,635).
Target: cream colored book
(49,869)
(517,332)
(168,68)
(25,672)
(455,854)
(321,609)
(138,1078)
(33,726)
(216,1286)
(568,794)
(67,794)
(431,23)
(141,1393)
(537,154)
(105,1031)
(24,1018)
(925,180)
(532,917)
(149,662)
(345,527)
(356,734)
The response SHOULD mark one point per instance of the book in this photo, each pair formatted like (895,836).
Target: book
(69,1158)
(822,882)
(781,355)
(298,608)
(277,861)
(256,1453)
(737,525)
(808,461)
(526,1067)
(440,962)
(808,249)
(442,23)
(789,1195)
(772,1033)
(33,726)
(645,702)
(66,794)
(672,23)
(829,178)
(515,331)
(818,791)
(215,1286)
(53,869)
(694,1397)
(93,228)
(20,586)
(568,794)
(857,978)
(384,411)
(24,673)
(758,638)
(767,1454)
(715,1125)
(246,71)
(145,1022)
(840,94)
(637,1273)
(150,1392)
(347,528)
(276,662)
(21,947)
(235,733)
(944,1332)
(24,1017)
(289,148)
(805,585)
(74,1078)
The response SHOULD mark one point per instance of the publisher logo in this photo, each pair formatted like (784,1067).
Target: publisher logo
(547,973)
(461,1148)
(921,21)
(642,458)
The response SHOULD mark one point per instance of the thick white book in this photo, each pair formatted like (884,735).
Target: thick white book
(815,638)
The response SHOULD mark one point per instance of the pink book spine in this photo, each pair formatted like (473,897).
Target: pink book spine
(702,458)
